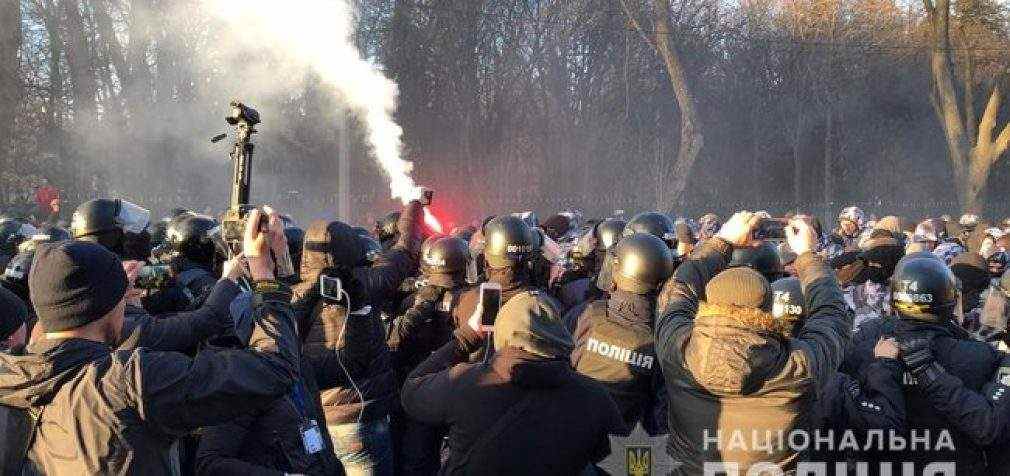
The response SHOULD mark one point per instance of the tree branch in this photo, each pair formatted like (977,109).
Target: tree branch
(988,121)
(636,24)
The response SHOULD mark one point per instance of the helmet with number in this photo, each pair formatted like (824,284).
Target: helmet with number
(763,258)
(447,255)
(118,225)
(788,302)
(190,236)
(509,242)
(641,263)
(385,228)
(655,224)
(924,289)
(609,232)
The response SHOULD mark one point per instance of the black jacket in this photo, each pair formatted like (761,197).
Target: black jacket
(564,428)
(732,372)
(106,411)
(614,346)
(269,442)
(944,405)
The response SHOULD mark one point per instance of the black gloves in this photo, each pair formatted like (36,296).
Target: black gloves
(918,359)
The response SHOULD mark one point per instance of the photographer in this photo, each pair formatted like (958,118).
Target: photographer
(109,411)
(731,367)
(357,413)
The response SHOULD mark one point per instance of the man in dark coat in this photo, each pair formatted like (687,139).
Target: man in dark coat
(526,411)
(105,411)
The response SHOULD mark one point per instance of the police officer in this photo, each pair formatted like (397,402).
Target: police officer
(614,337)
(116,224)
(510,246)
(576,285)
(926,301)
(422,329)
(189,240)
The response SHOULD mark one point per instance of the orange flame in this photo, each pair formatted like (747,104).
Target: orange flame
(432,222)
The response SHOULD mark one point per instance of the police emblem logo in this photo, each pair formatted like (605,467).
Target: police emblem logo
(639,460)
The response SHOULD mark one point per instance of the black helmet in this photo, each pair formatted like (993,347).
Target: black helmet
(15,276)
(190,236)
(788,302)
(923,289)
(763,258)
(609,232)
(557,226)
(118,225)
(655,224)
(641,263)
(508,242)
(447,255)
(13,233)
(385,228)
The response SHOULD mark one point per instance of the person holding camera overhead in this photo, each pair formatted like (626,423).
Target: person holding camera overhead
(99,410)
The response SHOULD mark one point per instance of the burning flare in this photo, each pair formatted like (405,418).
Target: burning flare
(432,222)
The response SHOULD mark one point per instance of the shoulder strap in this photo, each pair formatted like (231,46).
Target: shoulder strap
(495,430)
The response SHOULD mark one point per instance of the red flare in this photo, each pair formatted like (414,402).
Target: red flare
(432,222)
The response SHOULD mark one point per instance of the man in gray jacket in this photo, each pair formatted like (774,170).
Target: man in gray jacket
(741,382)
(104,411)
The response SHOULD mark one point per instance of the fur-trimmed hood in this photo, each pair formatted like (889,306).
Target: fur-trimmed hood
(734,350)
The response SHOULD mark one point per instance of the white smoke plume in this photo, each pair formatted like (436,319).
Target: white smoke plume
(318,34)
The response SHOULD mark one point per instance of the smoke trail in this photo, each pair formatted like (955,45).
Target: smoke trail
(318,34)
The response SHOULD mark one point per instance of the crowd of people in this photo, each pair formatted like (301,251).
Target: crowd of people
(751,344)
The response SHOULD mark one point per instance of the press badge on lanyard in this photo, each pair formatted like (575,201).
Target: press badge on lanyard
(312,438)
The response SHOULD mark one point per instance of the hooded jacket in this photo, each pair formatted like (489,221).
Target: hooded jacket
(105,411)
(562,430)
(733,374)
(335,248)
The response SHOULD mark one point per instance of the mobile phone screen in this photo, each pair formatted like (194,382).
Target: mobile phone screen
(329,287)
(491,302)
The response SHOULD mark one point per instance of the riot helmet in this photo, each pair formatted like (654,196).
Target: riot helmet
(609,232)
(447,255)
(641,263)
(191,237)
(763,258)
(655,224)
(509,242)
(924,289)
(118,225)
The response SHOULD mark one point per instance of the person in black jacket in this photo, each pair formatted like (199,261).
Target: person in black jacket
(926,301)
(422,329)
(357,413)
(121,411)
(614,337)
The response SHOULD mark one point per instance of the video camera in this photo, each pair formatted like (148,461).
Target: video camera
(233,223)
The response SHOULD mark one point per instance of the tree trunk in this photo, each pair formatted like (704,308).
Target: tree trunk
(691,138)
(10,79)
(971,163)
(80,62)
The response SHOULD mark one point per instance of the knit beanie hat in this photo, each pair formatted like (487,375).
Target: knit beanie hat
(74,283)
(742,287)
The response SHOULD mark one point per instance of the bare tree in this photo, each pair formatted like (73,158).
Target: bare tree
(972,150)
(691,137)
(10,80)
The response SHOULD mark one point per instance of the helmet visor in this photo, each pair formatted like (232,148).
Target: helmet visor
(133,218)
